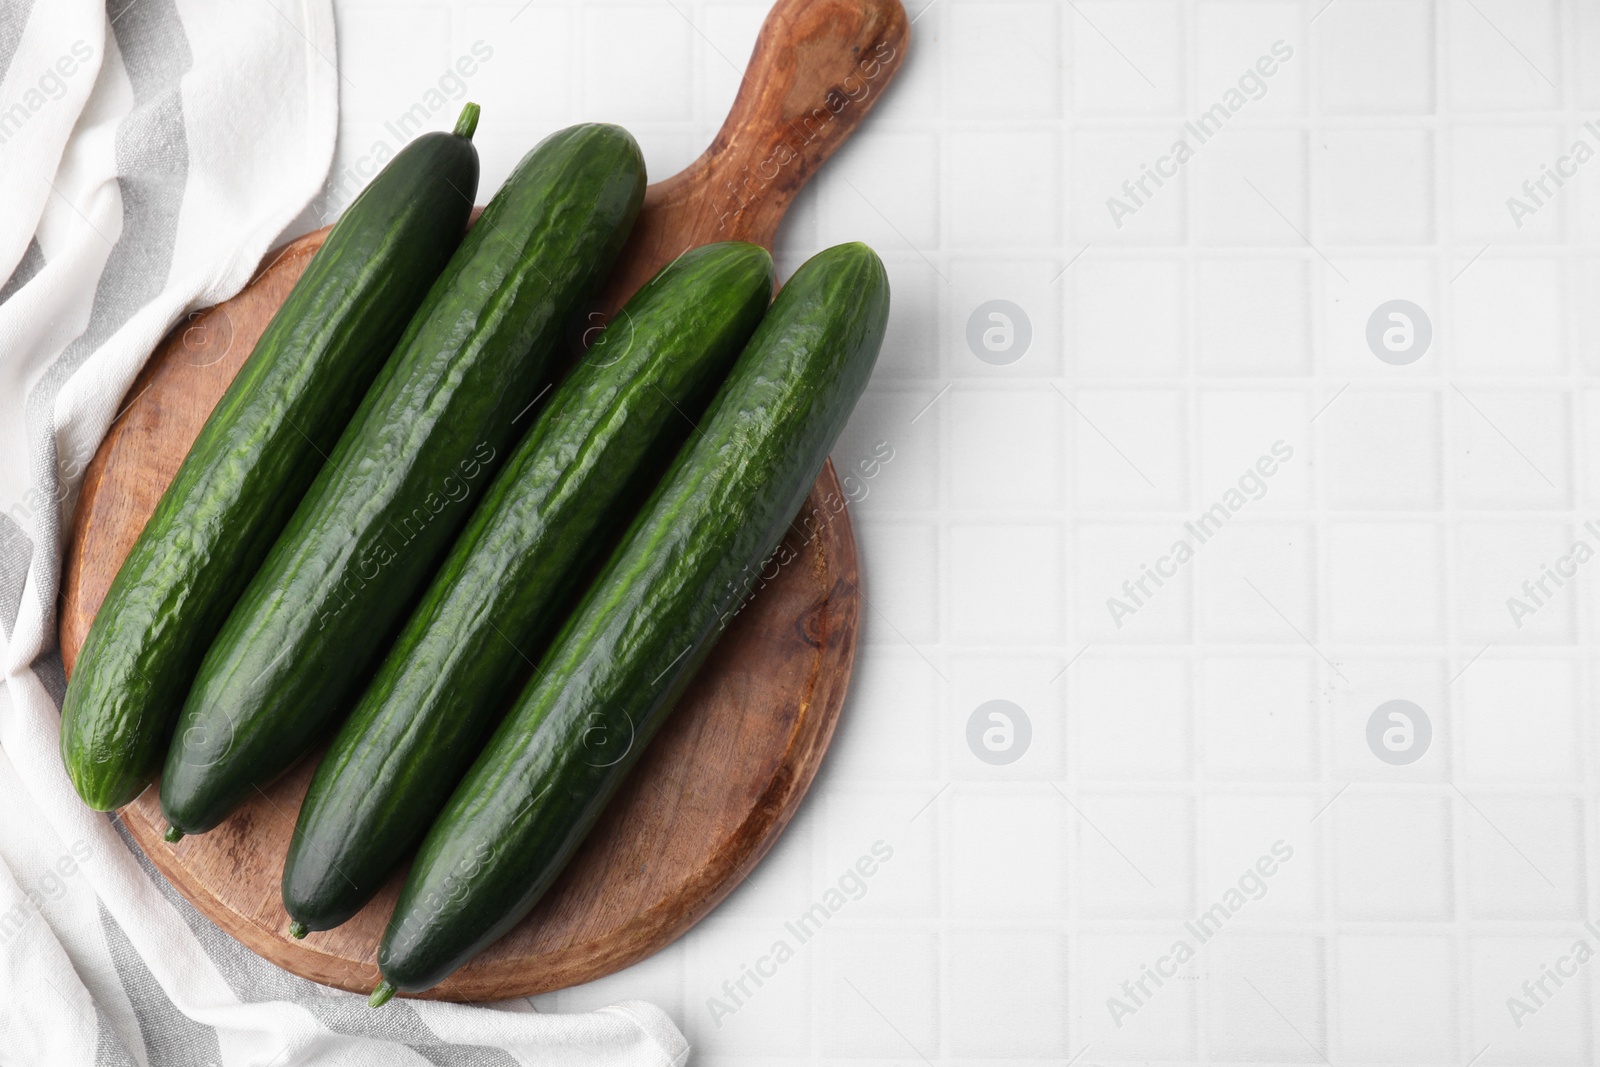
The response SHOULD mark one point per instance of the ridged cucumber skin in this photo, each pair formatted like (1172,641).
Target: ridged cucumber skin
(625,655)
(254,458)
(572,482)
(399,485)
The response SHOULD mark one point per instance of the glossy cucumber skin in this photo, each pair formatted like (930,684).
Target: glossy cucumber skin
(622,659)
(258,452)
(400,484)
(572,483)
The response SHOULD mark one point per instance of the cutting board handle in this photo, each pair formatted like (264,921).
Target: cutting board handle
(818,67)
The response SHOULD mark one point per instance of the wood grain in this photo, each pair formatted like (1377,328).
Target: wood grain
(726,773)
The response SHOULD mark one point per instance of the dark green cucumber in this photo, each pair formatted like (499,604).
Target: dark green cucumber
(578,476)
(258,451)
(610,676)
(398,487)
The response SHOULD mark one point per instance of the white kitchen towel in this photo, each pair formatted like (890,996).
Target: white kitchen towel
(150,153)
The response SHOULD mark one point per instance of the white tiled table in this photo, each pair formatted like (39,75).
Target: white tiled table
(1229,711)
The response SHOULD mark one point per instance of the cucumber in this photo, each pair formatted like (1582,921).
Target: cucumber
(584,467)
(253,460)
(398,487)
(613,672)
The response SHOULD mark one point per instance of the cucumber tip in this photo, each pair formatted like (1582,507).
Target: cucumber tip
(298,929)
(173,835)
(380,996)
(467,124)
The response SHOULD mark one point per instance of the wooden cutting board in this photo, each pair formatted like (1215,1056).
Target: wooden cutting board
(726,773)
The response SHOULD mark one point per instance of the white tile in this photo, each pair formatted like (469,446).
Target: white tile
(1257,718)
(1383,581)
(658,43)
(1376,56)
(1505,54)
(1007,855)
(1126,58)
(1265,999)
(887,463)
(1525,857)
(1510,446)
(886,730)
(1589,416)
(1250,576)
(1252,189)
(1254,316)
(1134,857)
(1029,342)
(1003,584)
(1586,41)
(1520,720)
(1584,279)
(528,69)
(911,342)
(1003,449)
(1395,999)
(393,70)
(1393,859)
(1488,166)
(1233,36)
(1580,145)
(730,34)
(1004,189)
(1246,434)
(1106,207)
(883,993)
(756,1018)
(900,579)
(1510,588)
(1127,447)
(1005,59)
(887,837)
(883,190)
(1375,186)
(1348,306)
(1507,317)
(1115,597)
(1263,848)
(1551,1023)
(1362,686)
(1037,685)
(1128,317)
(1130,718)
(1382,450)
(1129,1011)
(1585,275)
(1003,994)
(658,978)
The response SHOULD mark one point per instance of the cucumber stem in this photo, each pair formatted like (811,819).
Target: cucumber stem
(381,995)
(298,929)
(467,124)
(173,835)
